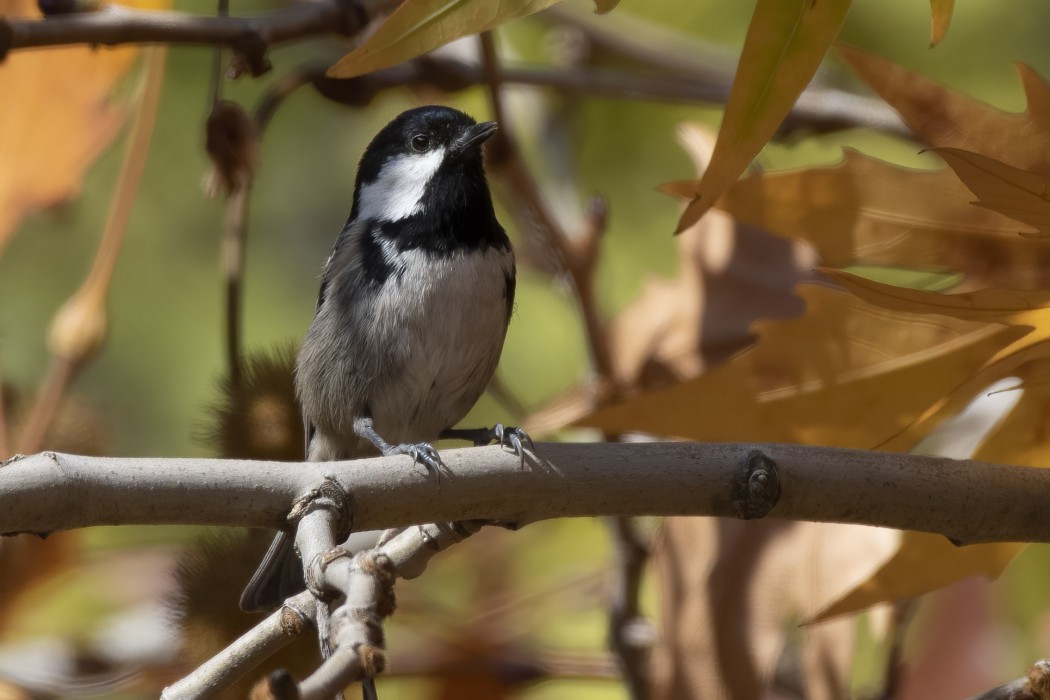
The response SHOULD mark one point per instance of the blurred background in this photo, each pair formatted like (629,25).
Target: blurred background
(531,604)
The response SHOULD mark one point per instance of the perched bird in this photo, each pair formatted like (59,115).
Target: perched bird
(413,310)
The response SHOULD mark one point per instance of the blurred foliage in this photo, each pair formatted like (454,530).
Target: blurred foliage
(158,371)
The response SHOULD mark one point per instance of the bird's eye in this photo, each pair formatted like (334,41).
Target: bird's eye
(420,143)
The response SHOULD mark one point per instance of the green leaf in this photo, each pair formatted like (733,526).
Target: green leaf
(942,17)
(418,26)
(785,44)
(603,6)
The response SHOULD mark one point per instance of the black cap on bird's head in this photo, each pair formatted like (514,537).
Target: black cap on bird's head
(442,133)
(428,161)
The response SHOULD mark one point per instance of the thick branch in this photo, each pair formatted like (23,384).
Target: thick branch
(966,500)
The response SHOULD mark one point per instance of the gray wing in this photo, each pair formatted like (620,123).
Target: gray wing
(337,261)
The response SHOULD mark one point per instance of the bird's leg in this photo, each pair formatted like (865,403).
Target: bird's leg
(422,452)
(504,436)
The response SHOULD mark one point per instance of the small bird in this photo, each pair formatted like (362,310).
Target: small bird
(414,305)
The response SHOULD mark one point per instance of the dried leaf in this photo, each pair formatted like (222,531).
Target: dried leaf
(1013,192)
(729,275)
(785,44)
(731,590)
(65,118)
(943,117)
(942,17)
(924,563)
(866,211)
(419,26)
(846,374)
(1027,310)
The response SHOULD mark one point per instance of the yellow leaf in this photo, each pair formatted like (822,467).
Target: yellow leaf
(419,26)
(943,117)
(785,44)
(942,17)
(1013,192)
(924,563)
(1027,312)
(847,374)
(63,121)
(866,211)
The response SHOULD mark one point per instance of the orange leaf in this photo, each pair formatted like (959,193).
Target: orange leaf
(1019,194)
(64,119)
(943,117)
(846,374)
(942,17)
(924,563)
(866,211)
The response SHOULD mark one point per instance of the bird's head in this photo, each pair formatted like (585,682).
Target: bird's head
(426,158)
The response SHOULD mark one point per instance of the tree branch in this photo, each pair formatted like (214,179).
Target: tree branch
(966,500)
(250,37)
(1034,685)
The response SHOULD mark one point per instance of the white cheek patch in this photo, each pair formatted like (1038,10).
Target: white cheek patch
(397,192)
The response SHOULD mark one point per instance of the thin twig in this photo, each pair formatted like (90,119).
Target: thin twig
(248,651)
(79,326)
(903,612)
(630,634)
(5,444)
(578,256)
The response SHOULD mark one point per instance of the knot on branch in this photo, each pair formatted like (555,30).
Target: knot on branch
(328,496)
(293,620)
(1038,678)
(315,573)
(756,487)
(381,568)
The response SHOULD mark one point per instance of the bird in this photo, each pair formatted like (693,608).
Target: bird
(412,313)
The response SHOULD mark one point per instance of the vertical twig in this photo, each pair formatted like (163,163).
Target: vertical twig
(578,254)
(5,445)
(79,326)
(903,612)
(630,634)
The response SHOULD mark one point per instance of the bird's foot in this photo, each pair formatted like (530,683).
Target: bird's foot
(504,436)
(420,452)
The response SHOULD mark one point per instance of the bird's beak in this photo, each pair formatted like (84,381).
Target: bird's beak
(473,136)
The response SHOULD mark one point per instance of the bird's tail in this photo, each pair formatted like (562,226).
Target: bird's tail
(279,576)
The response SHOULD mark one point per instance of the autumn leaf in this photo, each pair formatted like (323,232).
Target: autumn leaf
(846,374)
(866,211)
(729,275)
(946,118)
(65,118)
(1028,310)
(1013,192)
(923,563)
(785,43)
(942,17)
(728,591)
(419,26)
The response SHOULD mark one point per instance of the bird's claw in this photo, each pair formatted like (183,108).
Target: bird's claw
(513,437)
(421,453)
